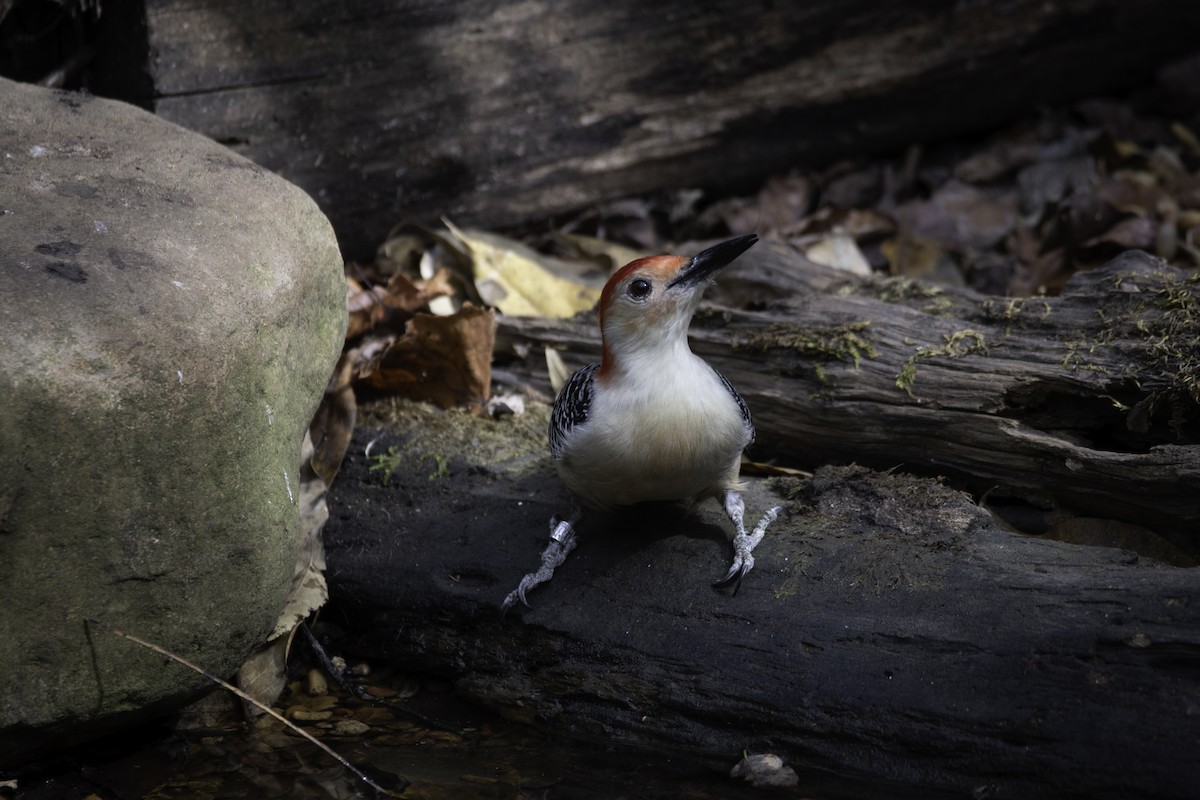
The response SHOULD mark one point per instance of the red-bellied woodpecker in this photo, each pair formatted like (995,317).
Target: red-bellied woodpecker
(651,420)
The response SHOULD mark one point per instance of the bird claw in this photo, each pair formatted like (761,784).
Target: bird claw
(528,582)
(562,542)
(733,578)
(743,547)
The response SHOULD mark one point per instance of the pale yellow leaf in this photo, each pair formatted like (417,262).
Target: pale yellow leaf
(840,251)
(557,369)
(523,283)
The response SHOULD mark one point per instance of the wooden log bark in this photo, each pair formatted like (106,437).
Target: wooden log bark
(499,114)
(1090,399)
(890,638)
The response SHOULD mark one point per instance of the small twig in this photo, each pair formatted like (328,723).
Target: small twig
(343,680)
(246,697)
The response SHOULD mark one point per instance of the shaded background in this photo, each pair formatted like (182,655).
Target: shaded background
(496,114)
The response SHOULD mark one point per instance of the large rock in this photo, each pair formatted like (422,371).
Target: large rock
(169,314)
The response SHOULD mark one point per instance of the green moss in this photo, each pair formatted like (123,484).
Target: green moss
(790,586)
(386,463)
(849,342)
(441,470)
(939,306)
(1074,357)
(908,375)
(898,290)
(961,343)
(1013,311)
(513,443)
(819,370)
(1160,314)
(1172,342)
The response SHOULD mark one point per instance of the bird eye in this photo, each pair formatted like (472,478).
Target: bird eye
(639,289)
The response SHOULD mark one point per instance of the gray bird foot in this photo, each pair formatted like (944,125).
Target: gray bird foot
(562,542)
(744,544)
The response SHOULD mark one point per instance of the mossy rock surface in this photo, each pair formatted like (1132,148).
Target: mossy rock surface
(169,315)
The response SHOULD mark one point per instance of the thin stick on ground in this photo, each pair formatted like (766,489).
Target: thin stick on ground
(243,695)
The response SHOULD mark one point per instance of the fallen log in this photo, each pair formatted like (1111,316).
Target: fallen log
(1090,400)
(891,637)
(501,114)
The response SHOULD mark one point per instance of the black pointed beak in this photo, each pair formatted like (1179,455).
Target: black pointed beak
(707,262)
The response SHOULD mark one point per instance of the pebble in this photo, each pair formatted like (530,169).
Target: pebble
(350,727)
(763,770)
(315,683)
(302,714)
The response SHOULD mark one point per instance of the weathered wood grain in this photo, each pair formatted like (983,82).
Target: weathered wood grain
(1090,399)
(890,634)
(496,114)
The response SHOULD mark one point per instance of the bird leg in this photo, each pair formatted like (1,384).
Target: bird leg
(743,543)
(562,542)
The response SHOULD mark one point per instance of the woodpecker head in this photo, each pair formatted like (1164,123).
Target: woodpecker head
(650,302)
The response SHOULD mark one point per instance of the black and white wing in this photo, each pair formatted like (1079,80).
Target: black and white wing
(571,407)
(745,409)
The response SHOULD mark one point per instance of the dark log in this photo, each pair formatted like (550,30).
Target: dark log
(1090,399)
(496,114)
(891,641)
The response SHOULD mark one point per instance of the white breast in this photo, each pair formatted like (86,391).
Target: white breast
(674,433)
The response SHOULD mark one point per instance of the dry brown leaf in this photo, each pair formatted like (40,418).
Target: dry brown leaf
(439,279)
(421,253)
(1186,137)
(263,675)
(1075,219)
(849,184)
(445,360)
(629,219)
(1131,233)
(1130,197)
(403,248)
(308,592)
(738,215)
(365,307)
(391,305)
(961,215)
(1043,273)
(407,294)
(1185,189)
(1006,153)
(782,202)
(920,258)
(857,222)
(1048,182)
(333,424)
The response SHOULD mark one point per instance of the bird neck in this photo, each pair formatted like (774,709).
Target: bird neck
(647,355)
